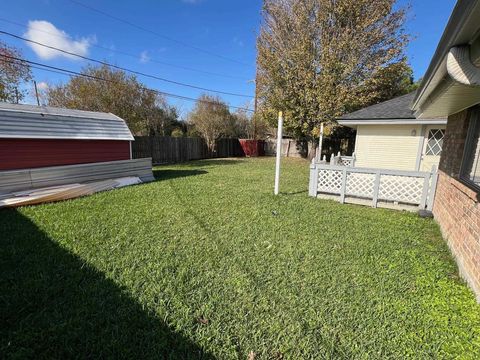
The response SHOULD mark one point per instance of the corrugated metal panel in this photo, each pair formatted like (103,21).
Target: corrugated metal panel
(62,175)
(42,122)
(34,153)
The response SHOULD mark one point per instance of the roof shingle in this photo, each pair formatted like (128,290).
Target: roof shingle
(397,108)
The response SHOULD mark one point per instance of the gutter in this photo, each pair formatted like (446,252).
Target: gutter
(453,34)
(460,67)
(354,122)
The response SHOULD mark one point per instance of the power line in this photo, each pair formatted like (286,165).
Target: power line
(132,55)
(72,73)
(122,68)
(138,27)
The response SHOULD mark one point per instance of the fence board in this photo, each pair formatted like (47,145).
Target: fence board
(171,150)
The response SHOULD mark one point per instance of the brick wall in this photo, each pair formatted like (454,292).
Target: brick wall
(456,207)
(454,143)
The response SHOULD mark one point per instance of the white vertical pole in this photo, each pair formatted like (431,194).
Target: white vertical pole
(320,144)
(279,152)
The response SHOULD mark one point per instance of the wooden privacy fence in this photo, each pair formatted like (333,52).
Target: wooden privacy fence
(170,150)
(290,148)
(378,187)
(301,148)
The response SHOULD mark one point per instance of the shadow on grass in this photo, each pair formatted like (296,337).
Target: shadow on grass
(53,305)
(213,162)
(294,192)
(168,174)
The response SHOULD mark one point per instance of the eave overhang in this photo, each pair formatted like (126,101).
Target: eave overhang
(452,81)
(353,123)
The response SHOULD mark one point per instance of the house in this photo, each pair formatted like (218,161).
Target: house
(451,88)
(40,136)
(410,132)
(390,136)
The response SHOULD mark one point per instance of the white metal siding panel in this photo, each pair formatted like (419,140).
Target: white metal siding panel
(387,146)
(30,122)
(17,180)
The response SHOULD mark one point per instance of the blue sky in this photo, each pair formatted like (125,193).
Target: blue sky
(224,29)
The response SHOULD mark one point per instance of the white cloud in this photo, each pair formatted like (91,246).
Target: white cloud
(46,33)
(42,85)
(144,57)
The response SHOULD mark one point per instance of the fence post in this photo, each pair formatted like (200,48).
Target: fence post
(353,159)
(279,153)
(344,186)
(313,185)
(423,201)
(433,188)
(376,189)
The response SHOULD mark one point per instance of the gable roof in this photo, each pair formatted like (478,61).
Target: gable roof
(394,111)
(44,122)
(397,108)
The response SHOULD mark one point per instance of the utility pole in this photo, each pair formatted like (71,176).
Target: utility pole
(255,106)
(36,92)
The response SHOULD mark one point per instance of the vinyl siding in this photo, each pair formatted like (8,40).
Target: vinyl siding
(387,146)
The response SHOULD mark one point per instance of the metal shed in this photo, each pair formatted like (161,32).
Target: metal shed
(41,136)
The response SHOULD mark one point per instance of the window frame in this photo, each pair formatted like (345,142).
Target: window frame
(468,149)
(428,138)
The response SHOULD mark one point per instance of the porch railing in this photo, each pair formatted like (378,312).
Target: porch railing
(341,160)
(375,185)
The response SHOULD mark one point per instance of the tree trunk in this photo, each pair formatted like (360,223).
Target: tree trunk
(312,149)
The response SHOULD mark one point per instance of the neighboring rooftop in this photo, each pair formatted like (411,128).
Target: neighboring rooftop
(44,122)
(397,108)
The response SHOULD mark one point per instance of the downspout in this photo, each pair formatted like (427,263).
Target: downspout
(460,67)
(421,145)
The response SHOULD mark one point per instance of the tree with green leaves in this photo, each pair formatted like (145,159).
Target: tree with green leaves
(318,59)
(211,119)
(160,117)
(13,74)
(145,111)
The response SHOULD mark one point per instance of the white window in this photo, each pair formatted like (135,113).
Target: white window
(471,157)
(435,142)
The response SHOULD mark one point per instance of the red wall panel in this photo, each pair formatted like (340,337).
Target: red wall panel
(34,153)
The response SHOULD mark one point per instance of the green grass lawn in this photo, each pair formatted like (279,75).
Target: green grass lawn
(207,263)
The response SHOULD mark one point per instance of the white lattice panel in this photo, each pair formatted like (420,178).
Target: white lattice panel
(401,188)
(346,162)
(360,184)
(329,181)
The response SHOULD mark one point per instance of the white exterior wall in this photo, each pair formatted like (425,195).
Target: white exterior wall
(388,146)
